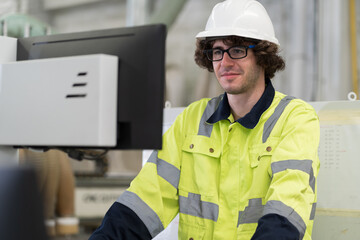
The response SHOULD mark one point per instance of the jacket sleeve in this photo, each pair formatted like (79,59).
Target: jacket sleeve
(273,226)
(291,197)
(121,223)
(152,195)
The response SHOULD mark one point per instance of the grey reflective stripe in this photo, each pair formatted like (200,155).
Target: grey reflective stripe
(302,165)
(252,213)
(270,123)
(313,210)
(165,170)
(192,205)
(153,157)
(143,211)
(280,208)
(205,128)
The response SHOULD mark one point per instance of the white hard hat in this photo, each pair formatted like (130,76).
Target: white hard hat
(243,18)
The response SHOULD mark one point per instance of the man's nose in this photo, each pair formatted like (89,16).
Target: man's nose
(227,60)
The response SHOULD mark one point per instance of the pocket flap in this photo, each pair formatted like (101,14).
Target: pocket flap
(202,145)
(261,150)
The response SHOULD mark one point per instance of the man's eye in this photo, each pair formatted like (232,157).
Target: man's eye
(217,52)
(237,51)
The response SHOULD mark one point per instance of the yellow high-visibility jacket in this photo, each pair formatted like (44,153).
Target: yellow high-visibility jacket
(223,177)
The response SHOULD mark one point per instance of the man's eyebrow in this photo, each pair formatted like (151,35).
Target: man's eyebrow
(219,47)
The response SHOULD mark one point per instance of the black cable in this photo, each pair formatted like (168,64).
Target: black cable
(79,154)
(96,156)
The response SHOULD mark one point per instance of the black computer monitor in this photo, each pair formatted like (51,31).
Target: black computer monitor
(141,74)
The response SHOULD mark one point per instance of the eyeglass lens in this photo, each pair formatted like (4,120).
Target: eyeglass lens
(237,52)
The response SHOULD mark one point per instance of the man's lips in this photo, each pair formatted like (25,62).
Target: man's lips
(229,74)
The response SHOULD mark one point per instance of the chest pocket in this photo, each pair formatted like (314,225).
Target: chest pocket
(200,166)
(260,163)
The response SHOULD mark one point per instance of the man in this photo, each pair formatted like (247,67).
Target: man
(239,166)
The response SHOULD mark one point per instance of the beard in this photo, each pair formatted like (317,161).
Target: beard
(248,84)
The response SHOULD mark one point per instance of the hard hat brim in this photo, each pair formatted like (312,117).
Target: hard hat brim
(238,32)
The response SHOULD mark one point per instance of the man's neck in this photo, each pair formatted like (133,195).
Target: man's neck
(241,104)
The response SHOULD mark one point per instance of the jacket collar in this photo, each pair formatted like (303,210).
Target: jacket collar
(250,119)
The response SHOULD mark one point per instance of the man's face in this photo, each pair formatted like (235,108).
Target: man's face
(237,76)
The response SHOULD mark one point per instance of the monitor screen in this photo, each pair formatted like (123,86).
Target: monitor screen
(141,74)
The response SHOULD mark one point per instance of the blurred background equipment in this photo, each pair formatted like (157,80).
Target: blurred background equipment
(20,204)
(56,183)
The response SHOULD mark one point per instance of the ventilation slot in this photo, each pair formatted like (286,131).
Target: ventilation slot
(79,84)
(76,96)
(81,74)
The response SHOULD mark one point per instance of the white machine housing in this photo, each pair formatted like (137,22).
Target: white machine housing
(67,101)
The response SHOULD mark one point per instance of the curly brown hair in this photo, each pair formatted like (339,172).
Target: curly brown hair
(266,53)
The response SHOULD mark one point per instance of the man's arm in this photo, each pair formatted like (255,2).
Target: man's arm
(291,197)
(121,223)
(151,201)
(273,226)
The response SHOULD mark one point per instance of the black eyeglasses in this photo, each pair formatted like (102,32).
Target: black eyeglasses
(236,52)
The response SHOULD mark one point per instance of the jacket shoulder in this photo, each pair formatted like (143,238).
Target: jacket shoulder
(295,103)
(199,106)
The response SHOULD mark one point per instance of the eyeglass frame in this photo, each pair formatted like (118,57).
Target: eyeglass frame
(206,51)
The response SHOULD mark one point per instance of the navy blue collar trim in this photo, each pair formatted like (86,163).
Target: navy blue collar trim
(250,119)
